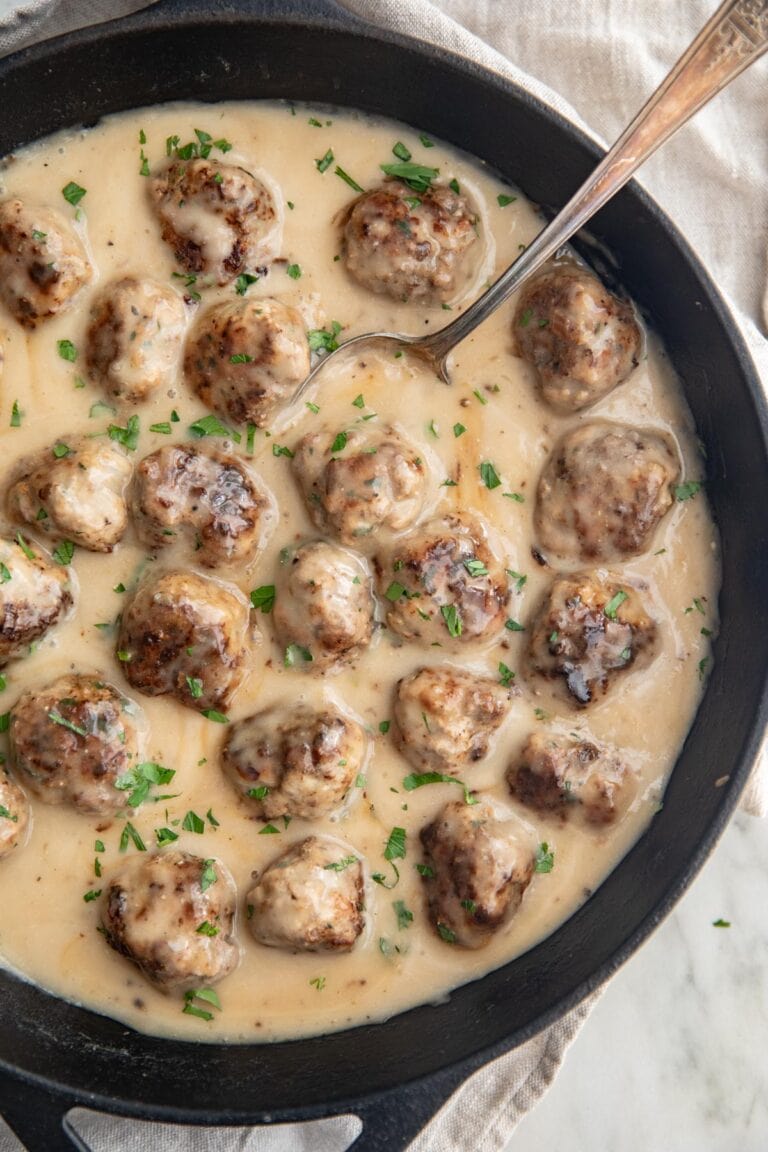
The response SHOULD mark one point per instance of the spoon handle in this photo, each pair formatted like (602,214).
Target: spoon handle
(733,38)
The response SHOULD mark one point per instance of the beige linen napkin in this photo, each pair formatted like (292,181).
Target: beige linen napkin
(603,57)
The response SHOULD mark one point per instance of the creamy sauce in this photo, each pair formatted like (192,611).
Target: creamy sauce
(47,931)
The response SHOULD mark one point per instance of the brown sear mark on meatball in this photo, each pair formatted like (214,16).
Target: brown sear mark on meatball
(572,779)
(589,629)
(581,340)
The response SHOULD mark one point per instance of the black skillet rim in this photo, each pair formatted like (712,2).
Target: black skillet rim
(337,1101)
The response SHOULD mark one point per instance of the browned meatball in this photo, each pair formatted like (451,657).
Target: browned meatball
(443,583)
(581,339)
(34,595)
(14,814)
(589,629)
(245,358)
(408,245)
(208,497)
(294,761)
(72,741)
(446,717)
(375,483)
(323,606)
(75,489)
(310,899)
(480,860)
(43,263)
(604,490)
(152,911)
(134,338)
(567,777)
(218,218)
(183,635)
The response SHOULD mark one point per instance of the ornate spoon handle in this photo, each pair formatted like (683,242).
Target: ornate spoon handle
(733,39)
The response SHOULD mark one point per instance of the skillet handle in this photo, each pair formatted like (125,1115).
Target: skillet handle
(38,1117)
(393,1120)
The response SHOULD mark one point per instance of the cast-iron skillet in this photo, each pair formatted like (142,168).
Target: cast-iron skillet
(395,1074)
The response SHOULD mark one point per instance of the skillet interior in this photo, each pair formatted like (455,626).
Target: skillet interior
(179,52)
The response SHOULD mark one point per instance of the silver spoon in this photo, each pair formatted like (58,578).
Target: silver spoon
(733,38)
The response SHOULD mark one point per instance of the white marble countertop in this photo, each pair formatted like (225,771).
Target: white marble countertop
(674,1057)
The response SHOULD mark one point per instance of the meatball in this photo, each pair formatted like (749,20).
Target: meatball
(134,338)
(14,814)
(310,899)
(183,635)
(43,263)
(588,630)
(411,246)
(245,358)
(444,583)
(323,606)
(376,482)
(152,911)
(74,489)
(34,595)
(295,761)
(73,740)
(581,339)
(604,490)
(205,495)
(218,218)
(566,777)
(480,860)
(446,717)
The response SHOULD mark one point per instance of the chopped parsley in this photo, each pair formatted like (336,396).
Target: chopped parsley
(263,597)
(419,177)
(359,401)
(128,436)
(345,176)
(384,726)
(721,923)
(67,350)
(193,823)
(73,193)
(139,780)
(281,450)
(340,865)
(420,779)
(294,271)
(489,475)
(208,875)
(207,929)
(296,652)
(195,685)
(686,491)
(207,995)
(15,415)
(318,982)
(506,675)
(545,858)
(395,846)
(269,830)
(503,200)
(339,443)
(450,615)
(401,152)
(163,427)
(93,894)
(61,450)
(514,626)
(324,163)
(243,282)
(404,915)
(213,715)
(259,793)
(395,592)
(129,835)
(476,567)
(5,574)
(615,603)
(57,718)
(458,430)
(165,836)
(324,340)
(240,358)
(212,426)
(445,933)
(30,555)
(64,553)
